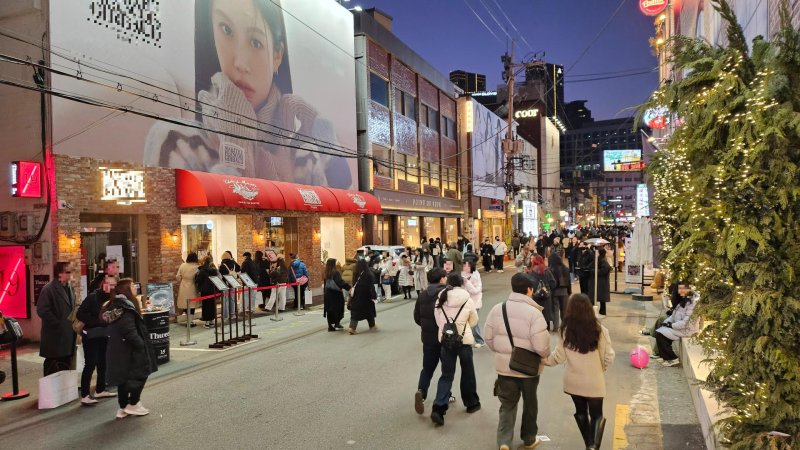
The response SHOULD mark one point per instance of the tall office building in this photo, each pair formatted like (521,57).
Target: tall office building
(468,81)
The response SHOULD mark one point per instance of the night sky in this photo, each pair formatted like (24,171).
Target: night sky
(449,36)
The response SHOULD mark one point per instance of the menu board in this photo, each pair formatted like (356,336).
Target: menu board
(218,283)
(247,280)
(161,296)
(232,282)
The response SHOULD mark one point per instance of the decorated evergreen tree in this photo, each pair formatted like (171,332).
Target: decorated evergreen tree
(727,206)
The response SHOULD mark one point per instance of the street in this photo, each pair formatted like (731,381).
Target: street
(315,389)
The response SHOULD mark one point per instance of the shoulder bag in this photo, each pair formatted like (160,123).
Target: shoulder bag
(522,360)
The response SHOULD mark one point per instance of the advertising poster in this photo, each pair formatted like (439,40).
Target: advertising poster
(161,296)
(642,201)
(530,218)
(488,132)
(622,160)
(252,88)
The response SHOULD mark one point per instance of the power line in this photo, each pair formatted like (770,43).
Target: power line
(484,23)
(512,25)
(599,33)
(611,77)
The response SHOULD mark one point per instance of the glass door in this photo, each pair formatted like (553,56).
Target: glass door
(105,237)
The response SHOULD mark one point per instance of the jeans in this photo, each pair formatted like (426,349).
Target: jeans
(665,347)
(94,355)
(354,323)
(130,392)
(228,304)
(430,359)
(469,390)
(508,391)
(476,330)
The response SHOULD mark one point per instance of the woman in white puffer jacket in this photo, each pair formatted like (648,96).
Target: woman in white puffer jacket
(455,305)
(474,285)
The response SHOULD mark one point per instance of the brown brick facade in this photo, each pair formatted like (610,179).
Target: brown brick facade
(78,185)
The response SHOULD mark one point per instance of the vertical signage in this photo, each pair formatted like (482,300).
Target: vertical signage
(530,218)
(642,201)
(26,179)
(13,282)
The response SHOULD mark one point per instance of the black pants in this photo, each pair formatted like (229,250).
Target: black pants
(299,296)
(94,355)
(53,365)
(665,347)
(588,406)
(585,282)
(498,262)
(602,308)
(487,262)
(209,309)
(430,360)
(130,392)
(354,323)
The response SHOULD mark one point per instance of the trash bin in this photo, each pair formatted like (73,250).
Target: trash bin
(157,323)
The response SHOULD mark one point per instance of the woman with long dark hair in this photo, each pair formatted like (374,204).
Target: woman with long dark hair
(362,305)
(130,355)
(333,298)
(585,348)
(455,306)
(262,265)
(562,290)
(206,288)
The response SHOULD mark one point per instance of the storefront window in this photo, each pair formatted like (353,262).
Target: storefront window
(282,235)
(380,232)
(433,227)
(199,239)
(208,234)
(451,229)
(409,231)
(382,162)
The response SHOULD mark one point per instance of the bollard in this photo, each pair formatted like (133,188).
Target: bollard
(189,320)
(250,314)
(298,299)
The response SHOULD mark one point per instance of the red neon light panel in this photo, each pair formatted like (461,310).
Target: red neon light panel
(27,179)
(13,283)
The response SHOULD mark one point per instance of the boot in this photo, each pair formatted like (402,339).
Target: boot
(437,414)
(583,424)
(598,424)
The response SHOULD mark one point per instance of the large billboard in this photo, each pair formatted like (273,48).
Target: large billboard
(486,148)
(622,160)
(254,88)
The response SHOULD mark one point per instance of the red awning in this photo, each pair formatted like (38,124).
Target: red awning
(201,189)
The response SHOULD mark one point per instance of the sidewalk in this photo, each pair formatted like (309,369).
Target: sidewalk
(22,413)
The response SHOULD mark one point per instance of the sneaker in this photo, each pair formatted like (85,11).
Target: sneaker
(500,271)
(672,363)
(208,325)
(338,326)
(534,444)
(645,332)
(478,345)
(137,410)
(419,405)
(104,394)
(655,357)
(437,418)
(121,414)
(88,400)
(451,399)
(474,408)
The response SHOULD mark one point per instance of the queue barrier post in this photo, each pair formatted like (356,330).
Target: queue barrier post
(189,320)
(217,342)
(276,316)
(298,299)
(250,313)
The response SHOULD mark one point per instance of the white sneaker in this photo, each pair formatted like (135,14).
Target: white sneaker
(478,345)
(672,363)
(500,271)
(88,400)
(533,445)
(104,394)
(137,410)
(121,414)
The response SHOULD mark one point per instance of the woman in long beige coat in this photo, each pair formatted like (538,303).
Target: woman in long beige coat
(585,348)
(185,276)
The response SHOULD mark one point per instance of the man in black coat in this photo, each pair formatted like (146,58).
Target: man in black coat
(95,341)
(585,266)
(487,252)
(431,347)
(55,306)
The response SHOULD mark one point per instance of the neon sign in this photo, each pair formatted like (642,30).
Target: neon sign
(26,179)
(526,113)
(652,7)
(13,285)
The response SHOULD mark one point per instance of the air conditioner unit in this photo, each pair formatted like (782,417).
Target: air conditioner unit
(8,224)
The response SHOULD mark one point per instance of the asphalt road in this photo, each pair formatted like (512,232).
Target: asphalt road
(335,391)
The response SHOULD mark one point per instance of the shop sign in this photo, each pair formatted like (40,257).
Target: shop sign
(656,118)
(26,179)
(530,214)
(13,282)
(391,200)
(526,113)
(358,200)
(495,205)
(310,197)
(642,201)
(123,186)
(244,189)
(652,7)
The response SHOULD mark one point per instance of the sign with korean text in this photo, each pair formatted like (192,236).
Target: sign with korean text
(122,185)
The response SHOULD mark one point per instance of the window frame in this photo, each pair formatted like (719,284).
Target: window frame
(373,78)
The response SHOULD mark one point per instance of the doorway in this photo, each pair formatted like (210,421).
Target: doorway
(332,238)
(108,237)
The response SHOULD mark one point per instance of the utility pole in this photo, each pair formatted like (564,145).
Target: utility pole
(511,147)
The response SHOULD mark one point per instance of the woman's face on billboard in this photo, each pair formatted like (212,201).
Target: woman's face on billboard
(245,48)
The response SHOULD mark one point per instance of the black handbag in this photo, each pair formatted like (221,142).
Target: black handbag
(522,360)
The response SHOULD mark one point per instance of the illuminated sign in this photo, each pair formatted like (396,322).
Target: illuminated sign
(622,160)
(468,117)
(13,284)
(26,179)
(652,7)
(642,201)
(530,217)
(526,113)
(656,118)
(123,186)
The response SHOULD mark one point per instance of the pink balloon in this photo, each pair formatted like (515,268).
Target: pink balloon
(639,357)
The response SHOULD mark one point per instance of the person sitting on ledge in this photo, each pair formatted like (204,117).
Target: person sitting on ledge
(679,324)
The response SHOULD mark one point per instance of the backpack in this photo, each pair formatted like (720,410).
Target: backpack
(542,293)
(451,339)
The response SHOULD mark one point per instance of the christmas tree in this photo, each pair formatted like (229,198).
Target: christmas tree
(727,207)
